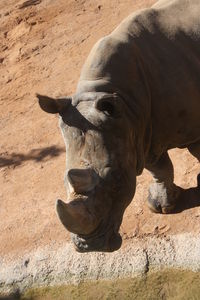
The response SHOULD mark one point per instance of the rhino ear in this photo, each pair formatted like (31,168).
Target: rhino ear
(53,106)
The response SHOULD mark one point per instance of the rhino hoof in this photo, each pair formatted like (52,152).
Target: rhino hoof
(157,208)
(161,200)
(154,205)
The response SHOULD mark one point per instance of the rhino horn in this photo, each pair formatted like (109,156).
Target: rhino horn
(76,217)
(82,180)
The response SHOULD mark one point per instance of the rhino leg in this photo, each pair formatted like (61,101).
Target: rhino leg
(195,151)
(163,193)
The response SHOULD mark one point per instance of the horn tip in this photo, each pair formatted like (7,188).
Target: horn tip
(59,204)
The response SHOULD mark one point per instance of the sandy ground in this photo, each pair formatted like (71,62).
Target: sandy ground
(43,44)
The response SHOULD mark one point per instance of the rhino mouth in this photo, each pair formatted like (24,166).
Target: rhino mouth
(103,239)
(87,231)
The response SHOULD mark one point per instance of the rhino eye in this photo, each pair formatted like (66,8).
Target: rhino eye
(107,107)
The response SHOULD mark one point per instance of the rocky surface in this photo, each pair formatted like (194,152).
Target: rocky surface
(51,266)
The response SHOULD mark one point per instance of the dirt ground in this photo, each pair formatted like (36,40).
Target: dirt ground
(43,44)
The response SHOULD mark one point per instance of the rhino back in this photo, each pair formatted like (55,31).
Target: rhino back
(154,56)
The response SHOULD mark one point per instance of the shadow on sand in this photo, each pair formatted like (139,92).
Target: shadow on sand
(189,198)
(37,155)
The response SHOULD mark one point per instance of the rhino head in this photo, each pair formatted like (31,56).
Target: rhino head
(101,167)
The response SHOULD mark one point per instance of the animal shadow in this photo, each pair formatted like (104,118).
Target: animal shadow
(189,198)
(12,296)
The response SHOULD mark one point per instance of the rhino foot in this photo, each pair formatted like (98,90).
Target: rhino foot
(162,199)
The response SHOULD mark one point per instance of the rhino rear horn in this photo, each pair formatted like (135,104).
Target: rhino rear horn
(51,105)
(82,180)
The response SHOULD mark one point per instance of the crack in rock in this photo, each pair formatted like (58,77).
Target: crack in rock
(146,270)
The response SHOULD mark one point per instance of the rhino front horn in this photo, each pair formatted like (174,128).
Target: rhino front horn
(82,180)
(76,217)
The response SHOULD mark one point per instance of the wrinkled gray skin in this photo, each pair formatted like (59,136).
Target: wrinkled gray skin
(138,96)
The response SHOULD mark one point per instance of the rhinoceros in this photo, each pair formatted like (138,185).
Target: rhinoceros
(137,97)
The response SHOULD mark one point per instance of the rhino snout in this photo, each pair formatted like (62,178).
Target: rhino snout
(108,242)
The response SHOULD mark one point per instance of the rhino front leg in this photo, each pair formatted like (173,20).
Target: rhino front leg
(163,193)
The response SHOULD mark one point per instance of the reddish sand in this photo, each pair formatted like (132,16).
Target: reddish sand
(43,47)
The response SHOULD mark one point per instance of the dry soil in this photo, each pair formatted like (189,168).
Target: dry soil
(43,44)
